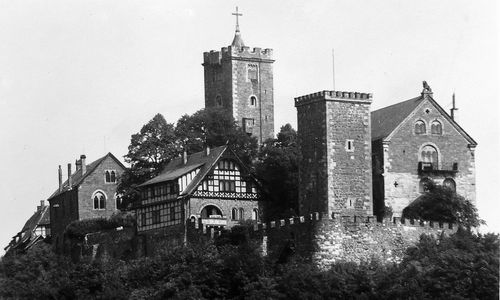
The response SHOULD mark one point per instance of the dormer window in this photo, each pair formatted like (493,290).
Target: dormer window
(110,176)
(436,127)
(419,127)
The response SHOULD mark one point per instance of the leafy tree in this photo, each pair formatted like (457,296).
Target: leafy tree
(443,204)
(149,151)
(278,170)
(215,127)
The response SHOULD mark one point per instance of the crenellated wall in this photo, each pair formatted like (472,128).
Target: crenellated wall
(324,240)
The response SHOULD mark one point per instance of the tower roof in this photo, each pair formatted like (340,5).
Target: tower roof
(237,41)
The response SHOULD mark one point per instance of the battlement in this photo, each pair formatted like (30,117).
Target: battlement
(245,53)
(335,96)
(263,229)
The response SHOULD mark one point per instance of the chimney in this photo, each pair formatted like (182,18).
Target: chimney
(83,163)
(78,165)
(207,150)
(185,157)
(60,179)
(454,110)
(42,205)
(69,177)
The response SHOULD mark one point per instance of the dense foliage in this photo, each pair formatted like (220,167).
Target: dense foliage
(278,170)
(158,142)
(443,204)
(462,266)
(79,228)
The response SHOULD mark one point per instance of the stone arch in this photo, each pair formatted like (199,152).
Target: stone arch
(430,144)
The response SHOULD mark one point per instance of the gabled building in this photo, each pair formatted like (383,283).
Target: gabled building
(414,142)
(36,229)
(89,192)
(212,187)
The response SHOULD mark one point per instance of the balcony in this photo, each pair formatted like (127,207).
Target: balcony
(214,220)
(428,168)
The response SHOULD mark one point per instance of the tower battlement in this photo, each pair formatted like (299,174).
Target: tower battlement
(227,53)
(333,95)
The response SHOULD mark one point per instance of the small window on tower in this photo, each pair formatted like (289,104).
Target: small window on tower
(252,73)
(218,101)
(349,145)
(253,101)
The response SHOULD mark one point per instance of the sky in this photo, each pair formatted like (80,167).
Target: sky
(80,77)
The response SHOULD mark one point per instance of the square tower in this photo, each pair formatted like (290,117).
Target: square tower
(240,80)
(335,173)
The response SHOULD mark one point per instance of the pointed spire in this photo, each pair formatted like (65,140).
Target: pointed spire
(237,41)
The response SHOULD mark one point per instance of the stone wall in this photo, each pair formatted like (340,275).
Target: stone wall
(402,154)
(226,76)
(324,241)
(334,133)
(96,182)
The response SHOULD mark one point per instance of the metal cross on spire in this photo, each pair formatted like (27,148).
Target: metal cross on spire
(237,14)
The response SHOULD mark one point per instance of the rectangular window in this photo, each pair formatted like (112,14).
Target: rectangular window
(155,217)
(172,213)
(253,73)
(227,186)
(248,125)
(143,219)
(349,145)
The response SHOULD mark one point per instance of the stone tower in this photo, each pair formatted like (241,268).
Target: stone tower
(240,80)
(335,173)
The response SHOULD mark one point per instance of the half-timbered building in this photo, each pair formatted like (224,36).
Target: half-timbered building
(212,187)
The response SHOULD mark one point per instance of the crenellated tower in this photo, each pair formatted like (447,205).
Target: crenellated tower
(335,172)
(239,79)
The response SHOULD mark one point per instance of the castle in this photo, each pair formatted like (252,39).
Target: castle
(356,164)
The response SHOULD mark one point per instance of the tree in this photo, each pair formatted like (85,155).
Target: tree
(149,151)
(277,169)
(215,127)
(444,205)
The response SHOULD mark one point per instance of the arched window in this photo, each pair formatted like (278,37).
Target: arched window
(210,210)
(429,154)
(234,214)
(424,185)
(253,101)
(113,176)
(218,101)
(108,176)
(419,127)
(436,127)
(450,184)
(255,214)
(242,214)
(118,201)
(99,199)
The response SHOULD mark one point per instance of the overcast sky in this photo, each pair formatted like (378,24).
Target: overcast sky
(80,77)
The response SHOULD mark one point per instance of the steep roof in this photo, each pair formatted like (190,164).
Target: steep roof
(77,177)
(176,168)
(27,233)
(386,119)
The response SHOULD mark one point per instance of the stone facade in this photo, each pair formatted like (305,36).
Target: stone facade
(399,165)
(334,138)
(240,80)
(75,201)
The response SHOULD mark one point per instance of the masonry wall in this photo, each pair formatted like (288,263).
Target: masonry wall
(401,158)
(195,206)
(313,174)
(349,171)
(226,75)
(96,182)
